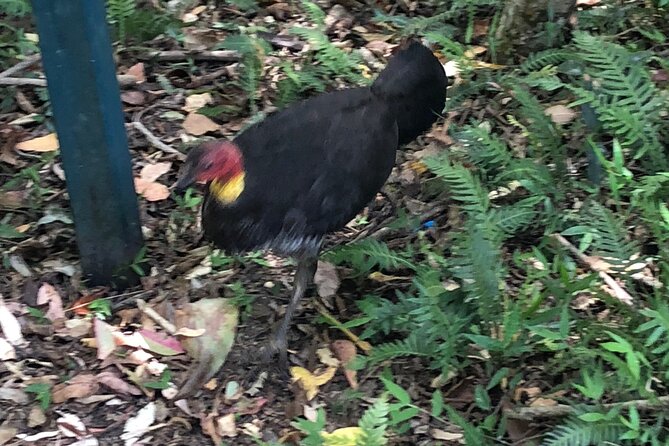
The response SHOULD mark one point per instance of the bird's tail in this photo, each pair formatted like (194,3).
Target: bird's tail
(414,84)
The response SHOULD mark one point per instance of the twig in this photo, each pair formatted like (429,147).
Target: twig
(155,142)
(562,410)
(363,345)
(28,61)
(164,323)
(619,293)
(124,81)
(177,55)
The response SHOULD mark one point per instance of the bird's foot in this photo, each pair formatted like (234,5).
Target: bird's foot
(277,348)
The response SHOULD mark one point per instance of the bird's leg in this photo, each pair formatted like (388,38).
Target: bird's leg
(306,269)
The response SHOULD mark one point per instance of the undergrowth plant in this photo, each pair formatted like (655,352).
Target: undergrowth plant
(489,296)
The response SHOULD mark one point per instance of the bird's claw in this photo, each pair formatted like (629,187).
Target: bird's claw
(275,347)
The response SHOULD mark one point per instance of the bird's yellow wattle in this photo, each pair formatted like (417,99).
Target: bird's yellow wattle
(228,192)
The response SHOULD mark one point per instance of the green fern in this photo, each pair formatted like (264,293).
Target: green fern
(473,435)
(579,433)
(544,58)
(252,52)
(657,332)
(118,12)
(488,152)
(374,423)
(368,254)
(542,134)
(314,13)
(462,185)
(610,236)
(15,8)
(336,61)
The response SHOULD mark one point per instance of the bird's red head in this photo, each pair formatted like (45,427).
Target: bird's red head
(213,160)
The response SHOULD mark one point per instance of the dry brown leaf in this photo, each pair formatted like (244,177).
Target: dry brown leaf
(109,379)
(195,102)
(560,114)
(47,143)
(137,70)
(47,294)
(151,172)
(80,386)
(225,425)
(9,325)
(196,124)
(151,190)
(326,279)
(346,352)
(133,97)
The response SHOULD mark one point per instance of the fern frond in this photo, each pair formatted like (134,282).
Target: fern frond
(367,254)
(335,60)
(374,423)
(657,332)
(416,344)
(486,151)
(610,235)
(541,59)
(463,186)
(579,433)
(314,13)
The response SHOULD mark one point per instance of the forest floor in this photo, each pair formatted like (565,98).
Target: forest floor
(67,377)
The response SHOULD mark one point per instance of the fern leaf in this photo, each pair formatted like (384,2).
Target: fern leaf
(374,423)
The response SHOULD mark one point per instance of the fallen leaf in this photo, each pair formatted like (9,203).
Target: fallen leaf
(7,352)
(150,190)
(137,70)
(138,425)
(345,436)
(326,358)
(71,426)
(219,318)
(109,379)
(195,102)
(225,426)
(560,114)
(208,427)
(7,433)
(378,276)
(104,338)
(47,294)
(10,326)
(36,417)
(38,436)
(47,143)
(151,172)
(326,279)
(310,382)
(439,434)
(133,97)
(196,124)
(16,395)
(161,343)
(77,327)
(346,352)
(190,332)
(80,386)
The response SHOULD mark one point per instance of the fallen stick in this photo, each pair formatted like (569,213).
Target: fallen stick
(155,142)
(21,65)
(124,81)
(178,55)
(618,291)
(562,410)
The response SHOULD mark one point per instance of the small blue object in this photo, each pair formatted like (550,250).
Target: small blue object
(85,97)
(429,224)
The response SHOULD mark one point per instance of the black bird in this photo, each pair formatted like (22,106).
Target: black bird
(307,170)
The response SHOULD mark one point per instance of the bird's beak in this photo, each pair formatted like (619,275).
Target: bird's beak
(186,179)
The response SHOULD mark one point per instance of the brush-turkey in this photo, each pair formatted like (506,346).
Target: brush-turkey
(307,170)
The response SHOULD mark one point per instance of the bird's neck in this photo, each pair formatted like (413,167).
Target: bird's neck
(227,191)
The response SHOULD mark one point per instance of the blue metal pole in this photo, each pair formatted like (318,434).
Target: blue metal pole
(85,97)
